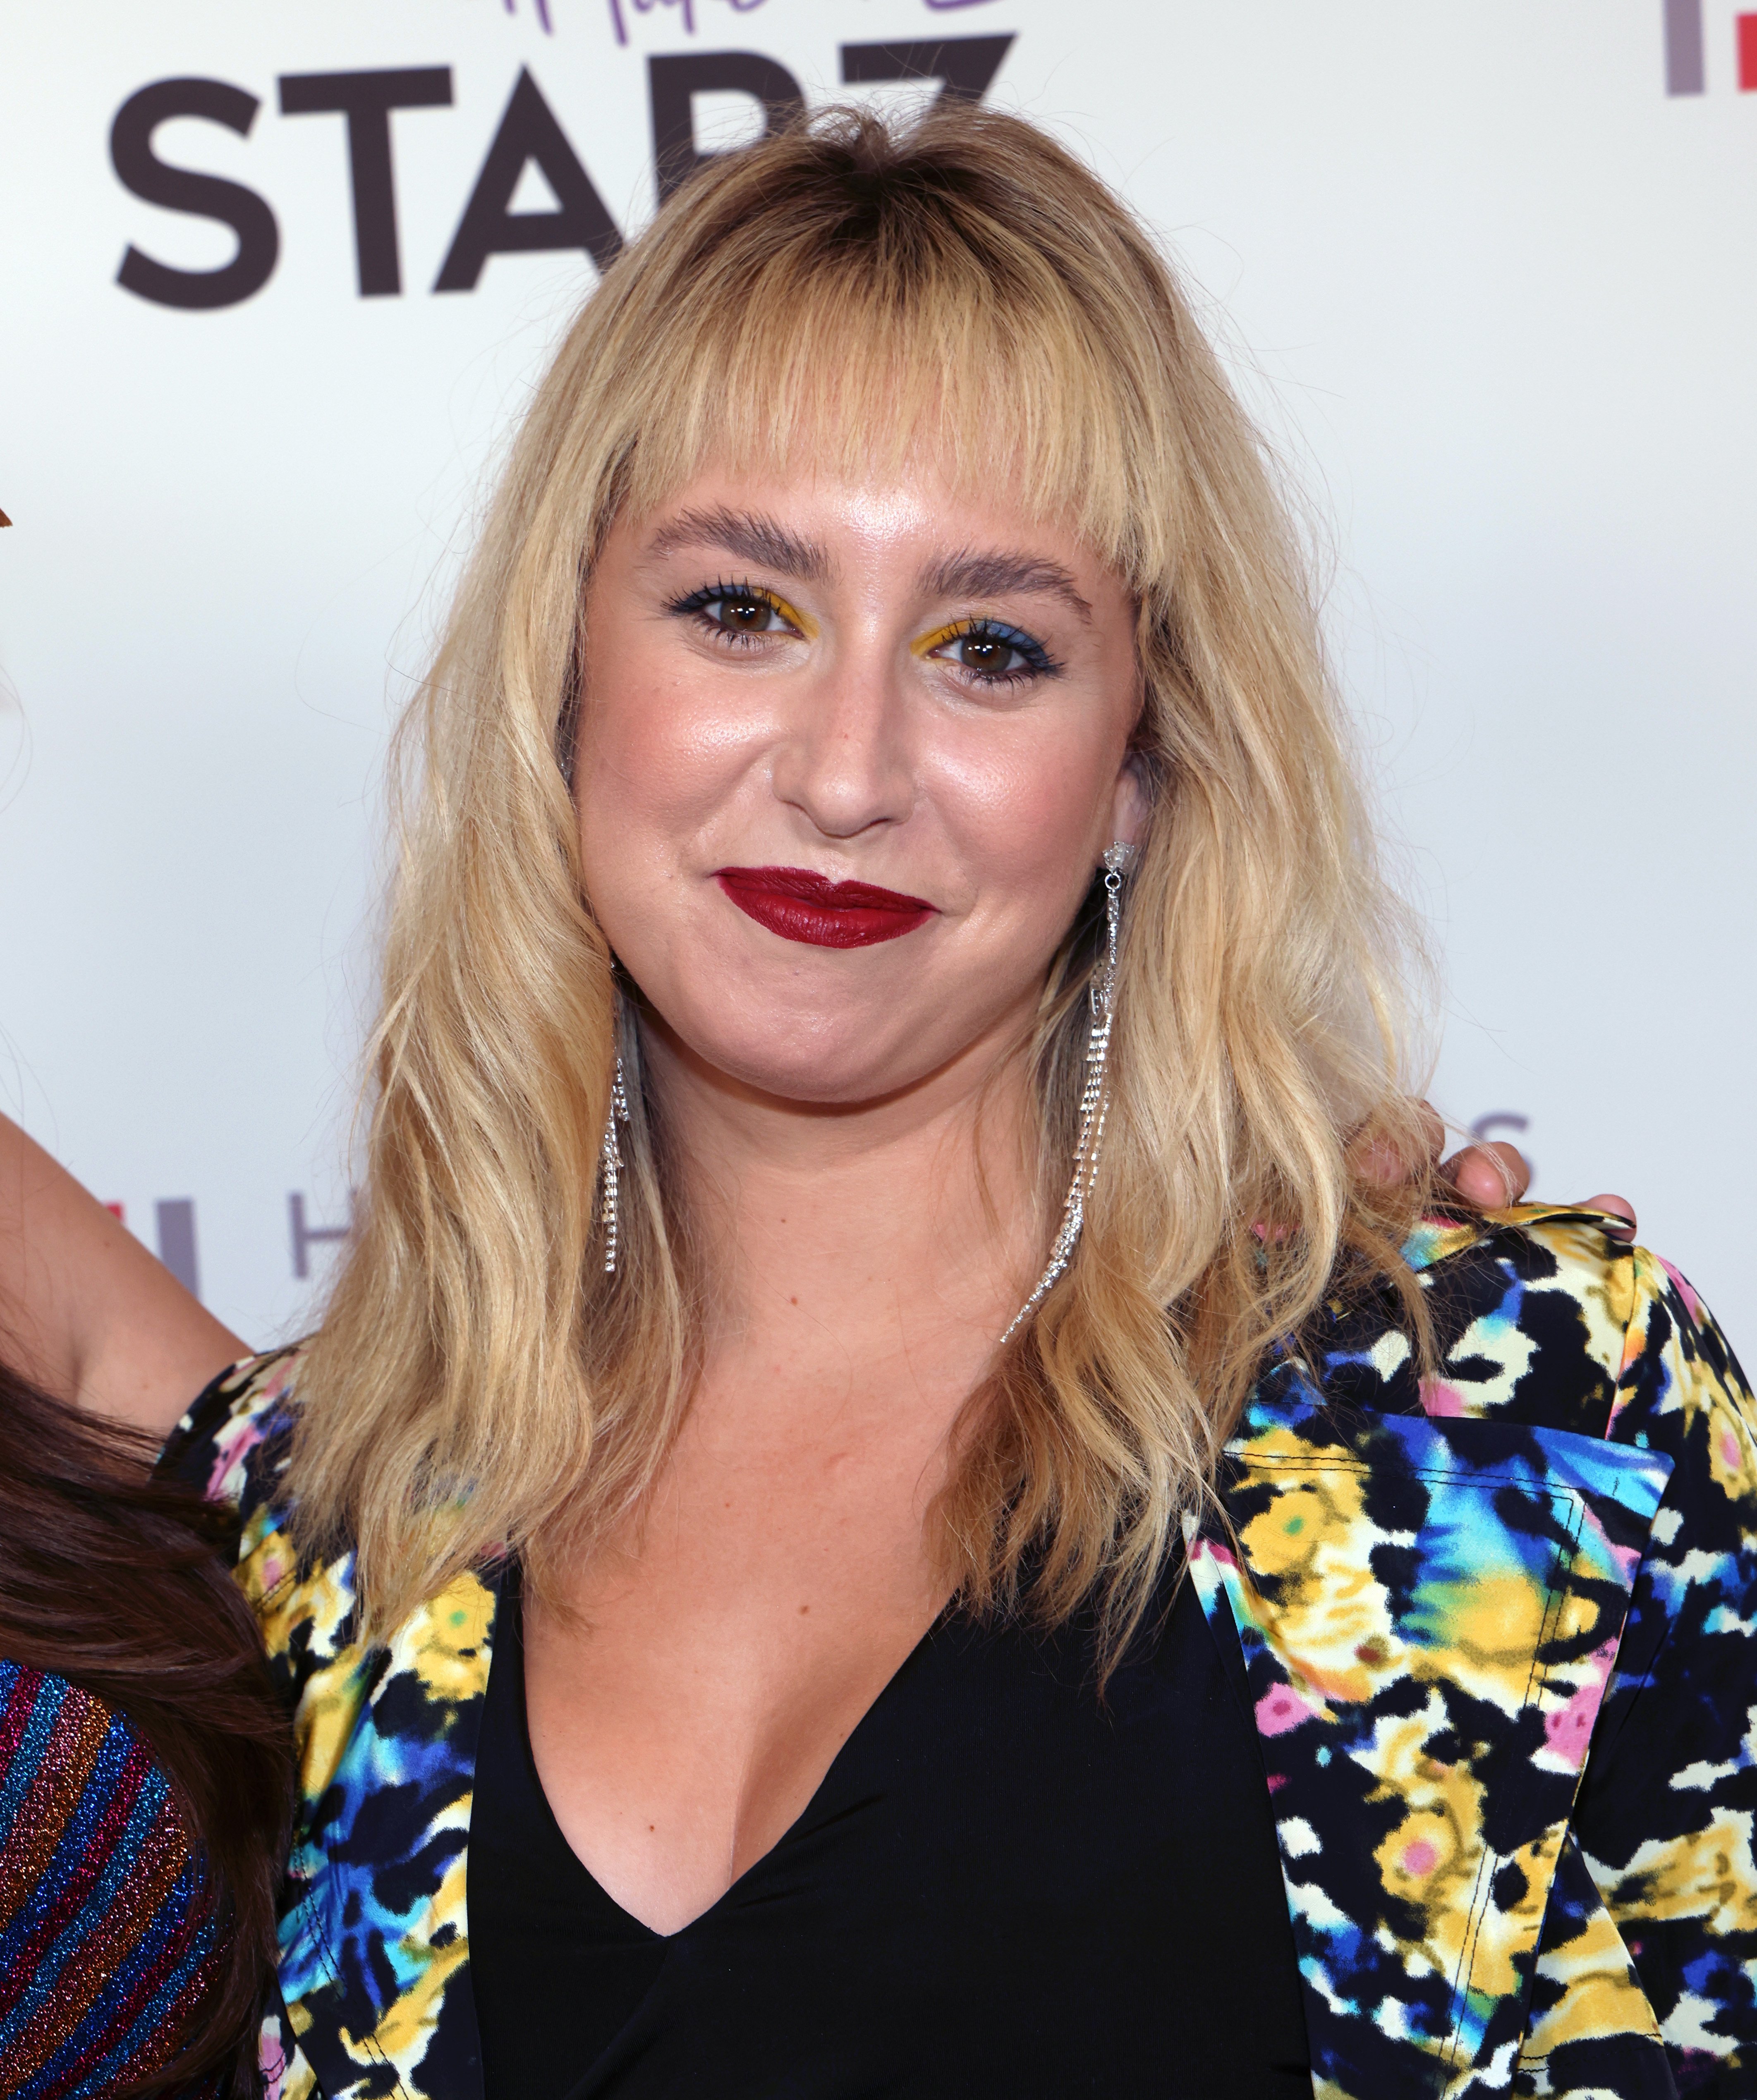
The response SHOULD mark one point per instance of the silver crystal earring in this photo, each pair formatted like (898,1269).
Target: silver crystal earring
(1095,1101)
(610,1156)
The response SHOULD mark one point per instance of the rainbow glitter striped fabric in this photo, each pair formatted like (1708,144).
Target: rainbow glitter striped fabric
(103,1957)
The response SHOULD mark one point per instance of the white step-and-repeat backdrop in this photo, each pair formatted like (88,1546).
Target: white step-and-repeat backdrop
(274,277)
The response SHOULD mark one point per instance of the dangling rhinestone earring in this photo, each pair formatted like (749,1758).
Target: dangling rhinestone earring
(1095,1102)
(610,1154)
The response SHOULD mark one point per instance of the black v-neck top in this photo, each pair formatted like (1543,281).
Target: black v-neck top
(1003,1886)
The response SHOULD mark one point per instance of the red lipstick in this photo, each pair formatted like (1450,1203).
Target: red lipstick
(800,906)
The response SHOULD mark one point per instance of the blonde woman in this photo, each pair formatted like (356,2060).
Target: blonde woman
(878,1507)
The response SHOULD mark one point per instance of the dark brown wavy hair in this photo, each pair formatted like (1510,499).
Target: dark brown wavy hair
(115,1579)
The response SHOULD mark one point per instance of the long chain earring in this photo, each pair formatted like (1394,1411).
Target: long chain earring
(1094,1101)
(611,1155)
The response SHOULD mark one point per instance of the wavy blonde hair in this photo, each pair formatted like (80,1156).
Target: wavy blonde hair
(841,295)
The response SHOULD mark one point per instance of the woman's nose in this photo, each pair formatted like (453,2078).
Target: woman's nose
(844,762)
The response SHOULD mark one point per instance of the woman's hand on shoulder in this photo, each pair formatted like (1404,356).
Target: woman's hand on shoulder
(85,1312)
(1490,1175)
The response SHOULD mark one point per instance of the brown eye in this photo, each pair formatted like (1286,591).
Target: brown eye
(987,653)
(741,612)
(995,655)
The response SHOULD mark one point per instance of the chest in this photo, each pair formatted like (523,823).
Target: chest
(926,1924)
(689,1690)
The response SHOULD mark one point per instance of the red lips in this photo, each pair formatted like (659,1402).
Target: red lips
(800,906)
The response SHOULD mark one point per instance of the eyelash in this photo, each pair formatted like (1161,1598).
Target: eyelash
(697,603)
(1039,663)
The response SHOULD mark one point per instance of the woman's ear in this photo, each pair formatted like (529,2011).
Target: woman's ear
(1133,799)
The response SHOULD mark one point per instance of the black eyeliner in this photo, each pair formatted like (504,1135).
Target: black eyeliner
(695,600)
(1038,661)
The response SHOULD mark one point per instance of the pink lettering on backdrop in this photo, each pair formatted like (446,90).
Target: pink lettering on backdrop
(621,10)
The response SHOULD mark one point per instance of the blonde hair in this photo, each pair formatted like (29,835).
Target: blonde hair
(841,295)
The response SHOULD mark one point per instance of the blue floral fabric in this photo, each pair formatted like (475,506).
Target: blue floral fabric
(1497,1626)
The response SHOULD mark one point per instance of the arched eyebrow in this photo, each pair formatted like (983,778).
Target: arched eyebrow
(754,537)
(751,536)
(972,575)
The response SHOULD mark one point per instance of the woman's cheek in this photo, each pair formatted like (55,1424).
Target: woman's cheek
(1025,818)
(666,757)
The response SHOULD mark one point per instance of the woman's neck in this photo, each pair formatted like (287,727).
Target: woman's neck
(905,1225)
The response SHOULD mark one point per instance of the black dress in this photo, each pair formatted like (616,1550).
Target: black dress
(1002,1886)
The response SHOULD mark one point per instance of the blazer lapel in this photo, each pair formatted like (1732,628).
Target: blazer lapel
(1428,1612)
(374,1971)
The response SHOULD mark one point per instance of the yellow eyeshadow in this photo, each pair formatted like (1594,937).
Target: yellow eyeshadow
(803,621)
(939,639)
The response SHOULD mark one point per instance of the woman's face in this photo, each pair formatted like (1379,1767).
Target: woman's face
(791,686)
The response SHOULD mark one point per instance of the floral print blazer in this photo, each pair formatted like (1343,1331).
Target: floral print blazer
(1499,1630)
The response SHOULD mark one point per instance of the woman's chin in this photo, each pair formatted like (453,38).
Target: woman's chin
(837,1067)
